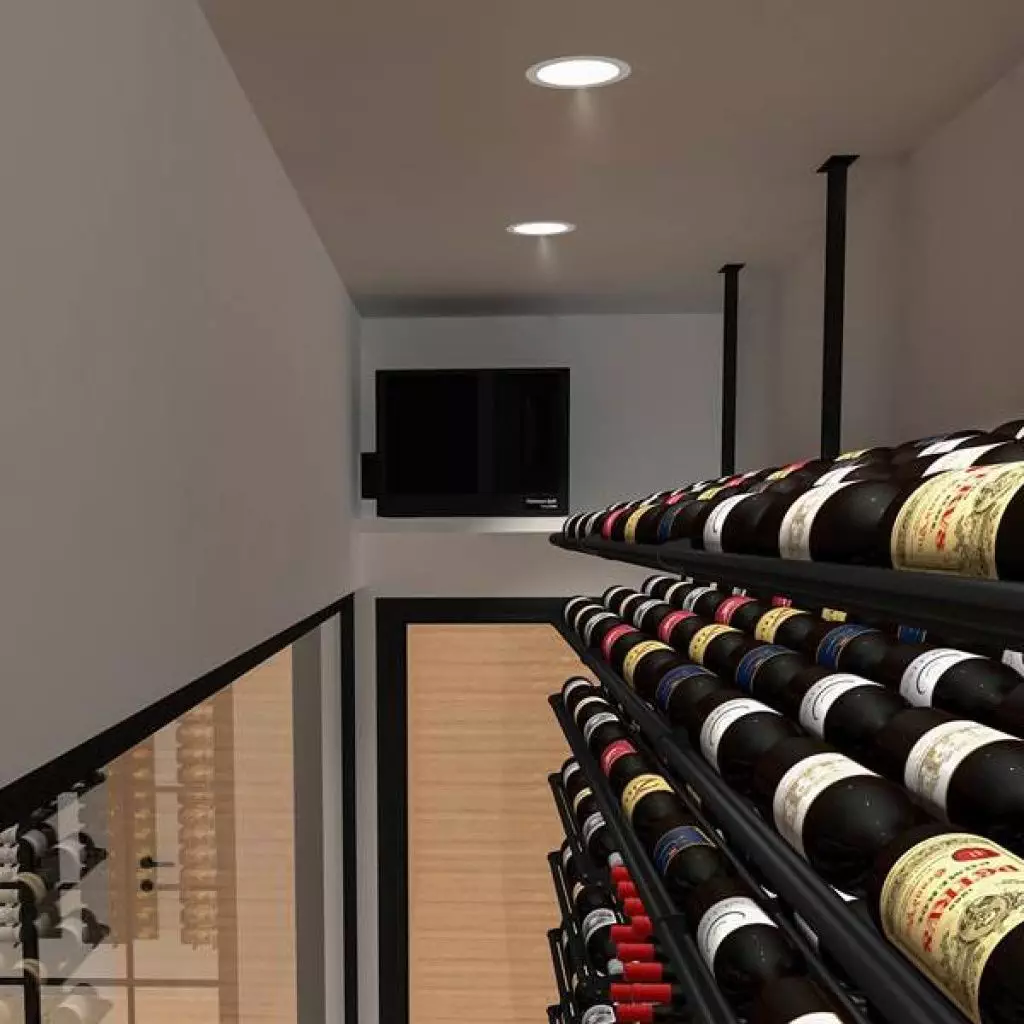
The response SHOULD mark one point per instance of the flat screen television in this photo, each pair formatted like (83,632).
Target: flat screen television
(472,442)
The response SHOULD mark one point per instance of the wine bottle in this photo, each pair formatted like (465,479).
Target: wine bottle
(1012,428)
(681,691)
(966,773)
(795,628)
(741,945)
(765,672)
(937,444)
(852,647)
(793,1000)
(953,904)
(984,450)
(835,813)
(969,522)
(639,660)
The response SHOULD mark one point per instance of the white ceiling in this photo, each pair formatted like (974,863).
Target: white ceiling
(413,137)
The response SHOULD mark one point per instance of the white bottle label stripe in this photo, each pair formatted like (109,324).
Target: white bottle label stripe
(818,700)
(716,522)
(591,825)
(835,476)
(588,629)
(718,723)
(595,723)
(795,532)
(597,919)
(724,918)
(941,447)
(960,459)
(642,609)
(921,676)
(695,595)
(578,710)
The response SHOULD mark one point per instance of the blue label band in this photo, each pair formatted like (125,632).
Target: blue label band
(676,840)
(911,634)
(671,679)
(834,643)
(751,663)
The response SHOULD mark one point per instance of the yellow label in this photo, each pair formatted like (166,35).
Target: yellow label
(702,639)
(768,624)
(851,455)
(634,655)
(631,523)
(947,903)
(949,524)
(709,493)
(833,615)
(638,788)
(580,797)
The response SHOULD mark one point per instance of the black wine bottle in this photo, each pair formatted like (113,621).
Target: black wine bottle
(985,450)
(765,672)
(681,691)
(793,1000)
(1013,429)
(937,444)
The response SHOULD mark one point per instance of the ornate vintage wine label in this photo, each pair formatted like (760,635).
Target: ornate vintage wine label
(702,640)
(818,700)
(638,788)
(769,623)
(950,523)
(613,518)
(922,675)
(718,723)
(716,522)
(635,654)
(935,757)
(725,917)
(795,532)
(709,493)
(959,459)
(947,903)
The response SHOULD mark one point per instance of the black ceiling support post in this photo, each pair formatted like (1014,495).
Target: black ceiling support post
(730,316)
(835,169)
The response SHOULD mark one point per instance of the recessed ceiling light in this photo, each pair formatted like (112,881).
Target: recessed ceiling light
(578,72)
(541,228)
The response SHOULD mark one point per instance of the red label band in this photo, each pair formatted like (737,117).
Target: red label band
(606,526)
(728,608)
(670,622)
(778,601)
(611,636)
(620,748)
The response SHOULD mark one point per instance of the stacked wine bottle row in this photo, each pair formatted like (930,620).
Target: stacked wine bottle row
(756,965)
(867,809)
(951,503)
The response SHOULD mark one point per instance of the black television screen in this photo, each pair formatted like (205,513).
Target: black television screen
(473,442)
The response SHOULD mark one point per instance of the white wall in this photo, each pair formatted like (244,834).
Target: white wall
(174,388)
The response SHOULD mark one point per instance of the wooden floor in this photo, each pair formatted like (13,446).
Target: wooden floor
(482,740)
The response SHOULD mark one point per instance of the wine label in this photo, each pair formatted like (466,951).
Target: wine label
(651,583)
(587,702)
(935,757)
(1014,660)
(682,584)
(751,662)
(591,825)
(674,841)
(673,678)
(594,723)
(778,601)
(577,888)
(670,622)
(710,493)
(597,919)
(959,459)
(911,634)
(802,785)
(943,446)
(719,922)
(834,476)
(834,642)
(643,608)
(721,720)
(819,1017)
(631,523)
(566,857)
(695,595)
(702,640)
(636,654)
(573,607)
(611,754)
(818,700)
(833,615)
(795,532)
(575,684)
(947,903)
(610,521)
(638,788)
(768,624)
(580,797)
(600,1014)
(922,675)
(568,771)
(950,523)
(847,456)
(611,636)
(611,592)
(716,522)
(725,611)
(781,474)
(588,629)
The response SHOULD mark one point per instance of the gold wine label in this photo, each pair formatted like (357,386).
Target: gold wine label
(947,903)
(631,523)
(851,455)
(709,493)
(702,640)
(833,615)
(634,654)
(638,788)
(768,624)
(950,523)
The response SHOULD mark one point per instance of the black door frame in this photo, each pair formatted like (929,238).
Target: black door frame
(393,617)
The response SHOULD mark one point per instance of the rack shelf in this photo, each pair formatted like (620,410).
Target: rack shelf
(988,611)
(898,992)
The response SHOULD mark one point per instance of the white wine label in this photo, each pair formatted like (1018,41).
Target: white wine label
(959,459)
(818,700)
(719,922)
(947,903)
(650,584)
(585,703)
(819,1017)
(718,723)
(802,785)
(835,476)
(566,857)
(678,585)
(573,607)
(600,1014)
(610,593)
(795,532)
(580,797)
(635,654)
(595,723)
(1014,660)
(716,522)
(941,447)
(695,595)
(703,638)
(950,523)
(577,888)
(597,919)
(922,675)
(568,771)
(591,825)
(935,757)
(575,684)
(643,608)
(588,629)
(768,624)
(638,788)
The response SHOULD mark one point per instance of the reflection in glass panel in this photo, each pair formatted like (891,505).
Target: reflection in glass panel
(162,888)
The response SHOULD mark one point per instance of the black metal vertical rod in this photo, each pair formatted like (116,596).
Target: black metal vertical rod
(730,331)
(835,169)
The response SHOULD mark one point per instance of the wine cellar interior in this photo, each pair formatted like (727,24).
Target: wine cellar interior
(512,512)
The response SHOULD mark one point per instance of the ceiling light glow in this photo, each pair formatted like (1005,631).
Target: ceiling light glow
(541,228)
(578,72)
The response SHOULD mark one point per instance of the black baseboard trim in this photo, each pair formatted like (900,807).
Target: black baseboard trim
(393,616)
(19,798)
